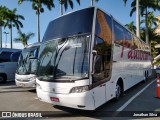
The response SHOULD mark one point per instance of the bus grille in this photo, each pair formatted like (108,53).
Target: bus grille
(57,90)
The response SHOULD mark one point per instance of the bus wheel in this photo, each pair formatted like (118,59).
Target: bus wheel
(119,91)
(2,78)
(145,77)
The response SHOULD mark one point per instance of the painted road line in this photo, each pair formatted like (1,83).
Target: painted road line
(132,98)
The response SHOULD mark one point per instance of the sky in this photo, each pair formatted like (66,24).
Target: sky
(114,7)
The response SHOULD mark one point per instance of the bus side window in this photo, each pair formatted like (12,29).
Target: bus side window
(15,56)
(5,56)
(100,61)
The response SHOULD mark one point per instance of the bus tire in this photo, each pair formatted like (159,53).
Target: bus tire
(145,77)
(3,78)
(119,91)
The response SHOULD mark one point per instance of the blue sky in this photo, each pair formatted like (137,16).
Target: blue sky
(114,7)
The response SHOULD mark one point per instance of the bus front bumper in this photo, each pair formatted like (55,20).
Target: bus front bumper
(83,100)
(31,83)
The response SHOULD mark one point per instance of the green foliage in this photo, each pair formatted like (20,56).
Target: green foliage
(131,27)
(154,39)
(9,18)
(66,2)
(152,20)
(37,5)
(144,4)
(23,38)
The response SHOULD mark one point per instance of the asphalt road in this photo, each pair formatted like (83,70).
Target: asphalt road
(139,100)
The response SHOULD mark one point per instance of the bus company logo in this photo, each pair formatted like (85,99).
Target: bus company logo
(6,114)
(136,54)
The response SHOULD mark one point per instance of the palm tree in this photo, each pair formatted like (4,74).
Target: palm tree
(23,38)
(65,3)
(37,6)
(154,39)
(3,11)
(144,5)
(152,20)
(12,20)
(131,27)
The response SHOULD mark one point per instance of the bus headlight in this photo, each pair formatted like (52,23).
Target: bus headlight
(38,86)
(79,89)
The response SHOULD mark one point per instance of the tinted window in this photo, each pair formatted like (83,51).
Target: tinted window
(102,66)
(5,56)
(103,47)
(72,24)
(119,32)
(123,36)
(15,56)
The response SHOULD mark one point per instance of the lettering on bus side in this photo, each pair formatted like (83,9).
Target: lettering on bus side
(138,55)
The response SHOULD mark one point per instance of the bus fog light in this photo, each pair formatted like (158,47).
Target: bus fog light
(79,89)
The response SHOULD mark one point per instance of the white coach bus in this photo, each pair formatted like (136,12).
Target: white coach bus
(8,63)
(27,66)
(88,58)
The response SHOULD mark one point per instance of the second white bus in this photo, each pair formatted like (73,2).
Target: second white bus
(88,58)
(27,66)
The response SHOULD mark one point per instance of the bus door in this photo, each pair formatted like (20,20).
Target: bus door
(101,70)
(102,57)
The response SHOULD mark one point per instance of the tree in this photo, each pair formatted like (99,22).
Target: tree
(37,6)
(144,5)
(154,38)
(11,19)
(3,11)
(152,20)
(23,38)
(65,3)
(131,27)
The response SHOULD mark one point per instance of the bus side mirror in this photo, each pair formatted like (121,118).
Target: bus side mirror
(94,52)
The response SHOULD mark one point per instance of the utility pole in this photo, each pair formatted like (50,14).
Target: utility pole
(137,19)
(91,2)
(146,31)
(6,38)
(61,9)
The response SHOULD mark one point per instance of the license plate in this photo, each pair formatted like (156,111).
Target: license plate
(54,99)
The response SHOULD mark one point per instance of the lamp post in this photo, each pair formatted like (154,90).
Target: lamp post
(6,38)
(1,34)
(91,2)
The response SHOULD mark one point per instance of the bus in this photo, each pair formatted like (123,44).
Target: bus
(87,58)
(27,66)
(8,63)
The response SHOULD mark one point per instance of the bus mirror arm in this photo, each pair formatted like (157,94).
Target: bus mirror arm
(94,52)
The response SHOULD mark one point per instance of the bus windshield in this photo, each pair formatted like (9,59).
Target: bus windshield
(64,59)
(25,64)
(79,22)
